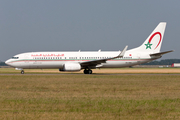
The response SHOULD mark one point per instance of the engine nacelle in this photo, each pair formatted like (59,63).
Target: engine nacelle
(71,67)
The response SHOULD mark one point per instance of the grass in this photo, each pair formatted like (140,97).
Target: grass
(96,96)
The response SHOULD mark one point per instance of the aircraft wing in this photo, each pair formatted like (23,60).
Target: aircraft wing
(94,63)
(161,53)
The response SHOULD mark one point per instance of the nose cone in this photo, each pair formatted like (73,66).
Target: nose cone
(7,62)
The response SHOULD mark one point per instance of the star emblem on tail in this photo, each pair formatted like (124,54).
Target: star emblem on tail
(148,45)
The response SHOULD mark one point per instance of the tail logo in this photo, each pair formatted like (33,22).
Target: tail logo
(148,45)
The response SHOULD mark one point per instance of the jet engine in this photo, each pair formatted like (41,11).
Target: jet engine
(71,67)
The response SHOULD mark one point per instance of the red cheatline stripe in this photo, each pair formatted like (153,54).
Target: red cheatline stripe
(74,60)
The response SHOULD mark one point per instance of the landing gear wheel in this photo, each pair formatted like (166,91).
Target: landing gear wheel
(87,71)
(22,71)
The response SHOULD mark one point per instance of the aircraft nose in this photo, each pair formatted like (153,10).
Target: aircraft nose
(7,62)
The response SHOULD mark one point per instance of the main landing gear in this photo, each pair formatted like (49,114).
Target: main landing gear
(22,71)
(87,71)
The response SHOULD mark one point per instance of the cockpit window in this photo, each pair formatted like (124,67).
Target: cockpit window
(15,57)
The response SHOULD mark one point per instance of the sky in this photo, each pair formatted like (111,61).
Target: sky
(86,25)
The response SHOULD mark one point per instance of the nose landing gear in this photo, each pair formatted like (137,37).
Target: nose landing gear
(22,71)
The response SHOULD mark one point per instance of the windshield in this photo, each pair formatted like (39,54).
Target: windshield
(15,57)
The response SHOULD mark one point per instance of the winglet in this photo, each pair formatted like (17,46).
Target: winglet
(122,52)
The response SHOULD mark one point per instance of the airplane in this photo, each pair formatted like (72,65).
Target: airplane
(76,61)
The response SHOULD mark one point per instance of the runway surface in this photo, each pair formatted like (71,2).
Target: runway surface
(50,74)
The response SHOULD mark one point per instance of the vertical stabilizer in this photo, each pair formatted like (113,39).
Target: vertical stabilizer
(153,43)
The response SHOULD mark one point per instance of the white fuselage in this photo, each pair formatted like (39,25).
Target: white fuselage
(75,61)
(46,60)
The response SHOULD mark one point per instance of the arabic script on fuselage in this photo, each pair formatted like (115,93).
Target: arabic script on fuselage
(47,55)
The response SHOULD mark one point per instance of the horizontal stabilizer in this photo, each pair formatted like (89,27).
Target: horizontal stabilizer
(161,53)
